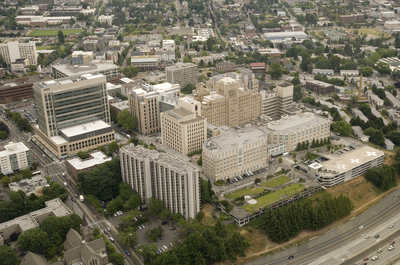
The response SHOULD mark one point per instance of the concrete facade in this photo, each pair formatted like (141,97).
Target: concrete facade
(14,157)
(14,50)
(182,73)
(163,176)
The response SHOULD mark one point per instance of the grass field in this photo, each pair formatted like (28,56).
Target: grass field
(274,196)
(371,31)
(248,191)
(53,32)
(275,182)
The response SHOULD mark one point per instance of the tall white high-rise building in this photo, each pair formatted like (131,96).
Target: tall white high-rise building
(162,176)
(14,50)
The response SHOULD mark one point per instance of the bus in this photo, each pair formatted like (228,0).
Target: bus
(37,173)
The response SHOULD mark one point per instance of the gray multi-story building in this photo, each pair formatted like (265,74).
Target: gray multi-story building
(277,102)
(73,114)
(182,73)
(162,176)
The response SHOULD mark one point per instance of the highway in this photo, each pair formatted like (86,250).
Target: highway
(54,170)
(375,220)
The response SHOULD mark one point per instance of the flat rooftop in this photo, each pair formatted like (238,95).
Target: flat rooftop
(56,206)
(13,148)
(121,105)
(319,83)
(234,137)
(296,122)
(96,158)
(350,159)
(68,80)
(85,128)
(76,69)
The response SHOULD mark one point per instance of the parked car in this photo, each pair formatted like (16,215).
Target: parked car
(127,252)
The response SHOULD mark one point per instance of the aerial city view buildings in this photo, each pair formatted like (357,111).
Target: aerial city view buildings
(199,132)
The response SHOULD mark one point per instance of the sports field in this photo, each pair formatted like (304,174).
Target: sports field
(52,32)
(371,31)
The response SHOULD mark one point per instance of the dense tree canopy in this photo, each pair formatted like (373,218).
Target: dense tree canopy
(126,120)
(102,181)
(383,177)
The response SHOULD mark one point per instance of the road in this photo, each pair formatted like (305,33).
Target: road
(377,218)
(53,169)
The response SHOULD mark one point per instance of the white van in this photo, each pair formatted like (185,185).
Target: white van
(111,239)
(285,154)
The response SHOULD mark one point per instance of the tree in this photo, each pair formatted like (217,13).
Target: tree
(220,229)
(394,136)
(187,89)
(130,71)
(16,116)
(133,202)
(32,68)
(27,173)
(82,155)
(126,120)
(7,255)
(3,134)
(280,160)
(128,237)
(156,206)
(366,71)
(5,181)
(116,258)
(61,38)
(294,154)
(275,70)
(342,127)
(295,81)
(375,135)
(112,147)
(149,251)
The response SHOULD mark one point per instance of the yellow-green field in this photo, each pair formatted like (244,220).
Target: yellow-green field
(274,196)
(52,32)
(276,181)
(371,31)
(248,191)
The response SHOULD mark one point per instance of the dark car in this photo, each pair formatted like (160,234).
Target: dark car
(127,252)
(164,222)
(291,257)
(73,199)
(376,236)
(155,240)
(160,237)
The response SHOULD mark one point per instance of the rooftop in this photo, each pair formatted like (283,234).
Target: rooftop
(13,148)
(85,128)
(296,122)
(96,65)
(233,138)
(68,80)
(96,158)
(319,83)
(351,159)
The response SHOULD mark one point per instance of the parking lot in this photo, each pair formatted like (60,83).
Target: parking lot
(28,112)
(169,236)
(245,176)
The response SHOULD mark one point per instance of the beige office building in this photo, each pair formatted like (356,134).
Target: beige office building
(162,176)
(245,79)
(277,102)
(73,114)
(232,105)
(235,152)
(182,130)
(182,73)
(147,102)
(298,129)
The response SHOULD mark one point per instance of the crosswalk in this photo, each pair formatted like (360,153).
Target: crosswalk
(97,222)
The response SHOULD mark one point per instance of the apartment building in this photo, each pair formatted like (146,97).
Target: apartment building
(183,131)
(352,18)
(33,220)
(13,50)
(73,114)
(182,74)
(297,129)
(231,105)
(147,102)
(235,152)
(323,71)
(225,67)
(162,176)
(106,68)
(14,157)
(145,63)
(81,57)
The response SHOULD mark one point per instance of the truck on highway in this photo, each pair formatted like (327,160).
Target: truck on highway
(65,184)
(81,198)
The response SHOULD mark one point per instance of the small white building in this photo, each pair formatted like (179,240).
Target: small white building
(388,14)
(281,14)
(105,19)
(19,65)
(323,71)
(168,44)
(349,72)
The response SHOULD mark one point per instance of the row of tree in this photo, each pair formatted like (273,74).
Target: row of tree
(284,223)
(315,143)
(22,123)
(383,177)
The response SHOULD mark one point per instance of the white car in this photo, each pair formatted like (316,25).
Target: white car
(367,236)
(391,226)
(375,257)
(361,227)
(379,250)
(391,248)
(143,227)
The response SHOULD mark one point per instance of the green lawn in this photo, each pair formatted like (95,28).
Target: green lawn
(371,31)
(53,32)
(274,196)
(276,181)
(248,191)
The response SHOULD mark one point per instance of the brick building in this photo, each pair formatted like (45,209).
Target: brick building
(320,87)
